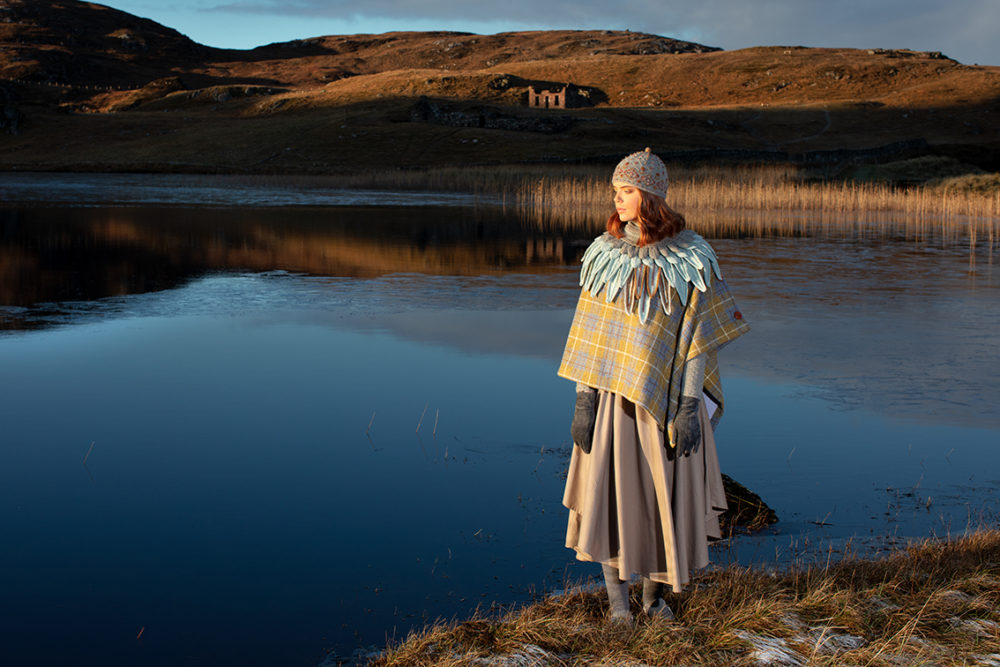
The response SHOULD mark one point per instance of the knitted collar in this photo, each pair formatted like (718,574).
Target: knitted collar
(681,263)
(632,233)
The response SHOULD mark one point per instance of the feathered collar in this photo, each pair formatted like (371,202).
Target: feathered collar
(681,263)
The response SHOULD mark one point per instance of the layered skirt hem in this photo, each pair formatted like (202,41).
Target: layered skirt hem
(634,505)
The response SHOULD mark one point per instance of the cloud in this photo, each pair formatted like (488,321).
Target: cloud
(964,29)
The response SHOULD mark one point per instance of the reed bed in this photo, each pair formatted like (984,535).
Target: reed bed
(756,201)
(772,200)
(717,201)
(937,602)
(585,190)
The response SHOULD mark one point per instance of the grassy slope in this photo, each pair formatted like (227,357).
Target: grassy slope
(343,102)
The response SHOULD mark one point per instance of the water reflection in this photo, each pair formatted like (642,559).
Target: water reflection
(82,254)
(903,329)
(57,254)
(900,326)
(313,427)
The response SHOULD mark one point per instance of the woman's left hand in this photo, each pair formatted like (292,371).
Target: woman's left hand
(584,418)
(687,428)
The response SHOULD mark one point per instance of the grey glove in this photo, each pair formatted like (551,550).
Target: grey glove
(584,417)
(687,428)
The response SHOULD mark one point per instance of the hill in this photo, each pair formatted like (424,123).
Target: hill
(84,86)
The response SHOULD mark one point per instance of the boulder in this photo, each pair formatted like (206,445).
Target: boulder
(747,511)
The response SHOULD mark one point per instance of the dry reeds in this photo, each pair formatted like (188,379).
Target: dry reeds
(934,603)
(726,202)
(772,200)
(717,201)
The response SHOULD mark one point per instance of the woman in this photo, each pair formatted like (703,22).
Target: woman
(644,489)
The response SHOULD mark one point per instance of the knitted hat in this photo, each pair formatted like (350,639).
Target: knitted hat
(643,170)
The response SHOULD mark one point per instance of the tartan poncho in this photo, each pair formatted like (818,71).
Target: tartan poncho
(609,348)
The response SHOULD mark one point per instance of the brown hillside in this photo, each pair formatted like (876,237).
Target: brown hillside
(324,59)
(770,76)
(65,41)
(86,44)
(89,87)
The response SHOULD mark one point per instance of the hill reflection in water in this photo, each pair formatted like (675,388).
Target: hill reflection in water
(52,255)
(56,254)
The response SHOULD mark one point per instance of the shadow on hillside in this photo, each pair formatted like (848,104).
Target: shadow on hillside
(55,92)
(828,139)
(482,116)
(297,48)
(409,133)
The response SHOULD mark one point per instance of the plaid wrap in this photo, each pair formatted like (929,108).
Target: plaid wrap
(611,350)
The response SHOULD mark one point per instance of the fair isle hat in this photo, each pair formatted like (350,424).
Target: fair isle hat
(643,170)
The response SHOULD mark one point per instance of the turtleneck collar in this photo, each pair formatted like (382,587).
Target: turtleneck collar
(632,233)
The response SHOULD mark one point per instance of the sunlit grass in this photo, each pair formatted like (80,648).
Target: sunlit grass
(933,603)
(762,200)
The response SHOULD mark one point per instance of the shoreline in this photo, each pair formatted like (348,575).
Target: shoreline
(932,602)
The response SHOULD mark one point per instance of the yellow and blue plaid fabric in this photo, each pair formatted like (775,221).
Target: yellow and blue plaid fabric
(611,350)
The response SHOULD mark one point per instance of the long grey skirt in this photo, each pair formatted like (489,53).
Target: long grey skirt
(634,505)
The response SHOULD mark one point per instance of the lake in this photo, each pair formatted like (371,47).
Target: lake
(260,424)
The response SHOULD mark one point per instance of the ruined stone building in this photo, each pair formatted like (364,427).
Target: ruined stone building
(547,99)
(568,97)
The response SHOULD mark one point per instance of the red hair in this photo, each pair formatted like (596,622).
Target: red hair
(656,220)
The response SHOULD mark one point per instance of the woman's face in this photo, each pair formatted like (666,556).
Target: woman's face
(627,200)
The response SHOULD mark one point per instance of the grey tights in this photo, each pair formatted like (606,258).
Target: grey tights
(652,599)
(617,593)
(651,592)
(653,603)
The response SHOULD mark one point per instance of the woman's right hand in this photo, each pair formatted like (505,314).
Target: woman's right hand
(584,417)
(687,428)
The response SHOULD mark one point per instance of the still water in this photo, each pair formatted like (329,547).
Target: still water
(265,435)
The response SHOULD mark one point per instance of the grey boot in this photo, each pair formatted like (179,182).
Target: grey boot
(617,595)
(652,600)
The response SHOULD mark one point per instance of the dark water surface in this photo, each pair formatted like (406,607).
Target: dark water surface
(307,428)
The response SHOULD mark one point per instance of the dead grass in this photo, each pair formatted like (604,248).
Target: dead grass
(982,185)
(933,603)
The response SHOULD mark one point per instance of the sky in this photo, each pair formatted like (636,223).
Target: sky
(965,30)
